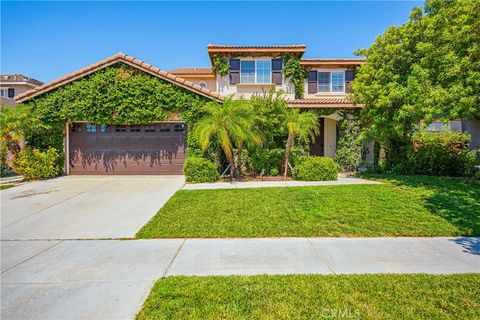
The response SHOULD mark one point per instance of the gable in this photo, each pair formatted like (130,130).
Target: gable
(128,60)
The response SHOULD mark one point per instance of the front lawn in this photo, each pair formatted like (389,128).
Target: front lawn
(315,297)
(403,206)
(6,186)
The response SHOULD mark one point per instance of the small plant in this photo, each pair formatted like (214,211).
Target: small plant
(198,170)
(266,160)
(274,172)
(34,164)
(316,169)
(220,66)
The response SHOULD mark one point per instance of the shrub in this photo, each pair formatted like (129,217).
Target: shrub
(316,169)
(199,170)
(266,159)
(35,164)
(439,154)
(274,172)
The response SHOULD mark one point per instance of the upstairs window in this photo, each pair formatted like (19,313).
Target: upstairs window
(247,72)
(256,71)
(333,81)
(338,81)
(324,81)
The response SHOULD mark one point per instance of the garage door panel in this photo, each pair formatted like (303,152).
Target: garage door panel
(127,150)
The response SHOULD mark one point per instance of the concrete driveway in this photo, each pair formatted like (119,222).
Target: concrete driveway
(84,207)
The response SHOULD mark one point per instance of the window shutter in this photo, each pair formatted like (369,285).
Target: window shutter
(312,81)
(349,76)
(234,71)
(277,71)
(11,92)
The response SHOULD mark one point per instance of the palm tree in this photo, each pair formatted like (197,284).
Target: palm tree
(301,125)
(250,135)
(229,123)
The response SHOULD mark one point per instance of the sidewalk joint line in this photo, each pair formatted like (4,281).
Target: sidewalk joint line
(173,259)
(320,255)
(38,253)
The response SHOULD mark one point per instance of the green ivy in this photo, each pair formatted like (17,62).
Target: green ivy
(294,71)
(115,95)
(220,65)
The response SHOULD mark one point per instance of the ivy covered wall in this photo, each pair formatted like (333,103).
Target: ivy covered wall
(115,95)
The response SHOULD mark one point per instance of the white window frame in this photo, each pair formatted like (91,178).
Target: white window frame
(255,73)
(331,71)
(3,92)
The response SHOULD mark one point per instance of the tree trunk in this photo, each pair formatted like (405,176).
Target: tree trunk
(239,159)
(231,162)
(288,149)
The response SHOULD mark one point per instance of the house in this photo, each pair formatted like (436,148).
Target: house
(14,84)
(160,147)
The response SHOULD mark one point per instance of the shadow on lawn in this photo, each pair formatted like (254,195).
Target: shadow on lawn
(455,200)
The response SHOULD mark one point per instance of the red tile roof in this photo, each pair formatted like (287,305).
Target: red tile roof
(119,57)
(192,70)
(221,48)
(288,46)
(19,78)
(326,102)
(330,61)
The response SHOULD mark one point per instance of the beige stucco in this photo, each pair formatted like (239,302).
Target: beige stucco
(323,94)
(19,88)
(247,90)
(330,142)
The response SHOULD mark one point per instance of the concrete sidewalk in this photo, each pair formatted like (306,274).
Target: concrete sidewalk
(342,180)
(98,279)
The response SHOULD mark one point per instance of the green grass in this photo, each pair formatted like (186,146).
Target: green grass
(403,206)
(6,186)
(315,297)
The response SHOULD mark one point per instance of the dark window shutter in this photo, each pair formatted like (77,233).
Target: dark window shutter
(277,71)
(11,92)
(349,76)
(234,71)
(312,81)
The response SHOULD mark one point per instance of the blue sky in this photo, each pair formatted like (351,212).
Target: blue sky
(46,40)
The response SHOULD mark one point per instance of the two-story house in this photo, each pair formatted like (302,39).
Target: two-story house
(251,70)
(12,85)
(255,69)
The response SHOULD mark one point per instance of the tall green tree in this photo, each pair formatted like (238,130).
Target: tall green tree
(300,125)
(230,124)
(425,69)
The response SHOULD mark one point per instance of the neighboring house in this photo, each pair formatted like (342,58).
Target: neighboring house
(12,85)
(470,126)
(253,69)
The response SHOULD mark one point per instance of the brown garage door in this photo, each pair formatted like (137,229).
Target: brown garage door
(146,149)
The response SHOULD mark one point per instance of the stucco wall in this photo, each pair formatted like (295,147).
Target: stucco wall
(225,88)
(19,88)
(330,144)
(322,94)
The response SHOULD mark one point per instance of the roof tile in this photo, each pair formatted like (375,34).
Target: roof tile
(325,102)
(25,96)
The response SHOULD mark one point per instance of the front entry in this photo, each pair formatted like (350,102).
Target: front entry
(317,147)
(158,148)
